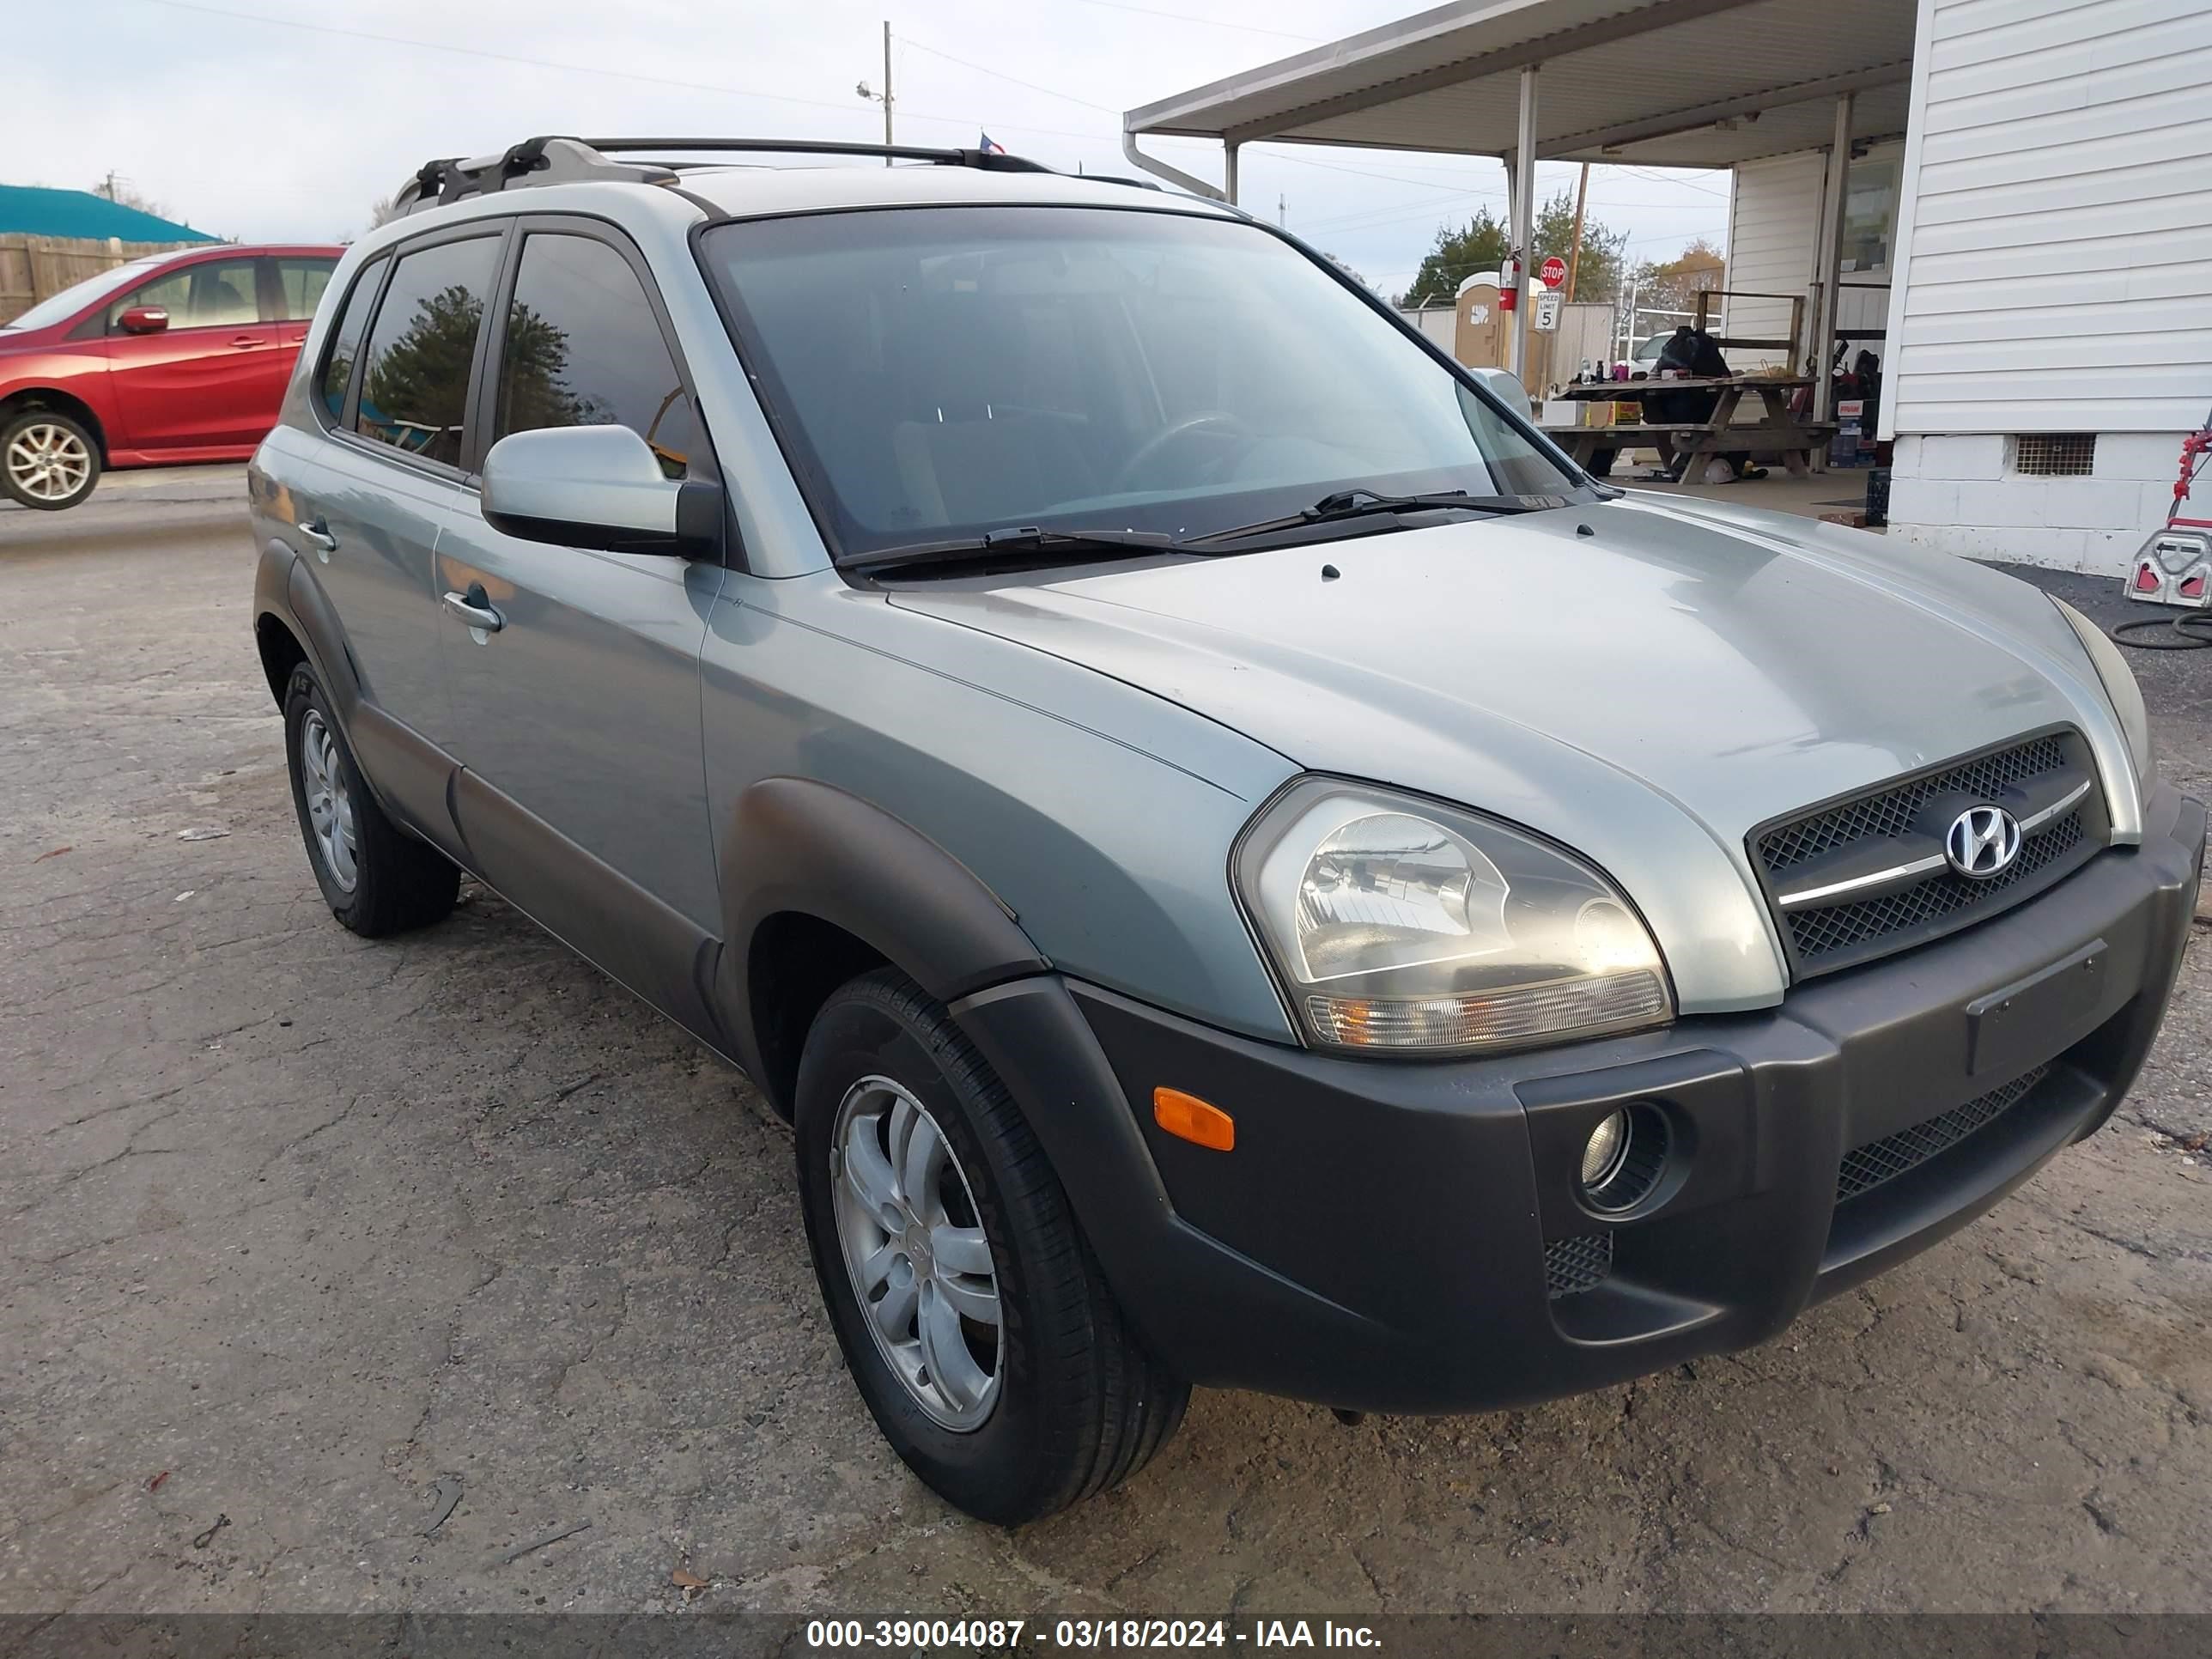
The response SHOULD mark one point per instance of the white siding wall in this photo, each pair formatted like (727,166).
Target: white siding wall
(1774,230)
(2057,220)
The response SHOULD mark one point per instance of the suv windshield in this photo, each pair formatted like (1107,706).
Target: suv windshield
(938,373)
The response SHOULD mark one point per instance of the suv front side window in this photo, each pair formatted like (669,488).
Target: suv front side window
(415,381)
(583,347)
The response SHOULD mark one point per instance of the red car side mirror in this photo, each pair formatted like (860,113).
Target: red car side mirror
(143,319)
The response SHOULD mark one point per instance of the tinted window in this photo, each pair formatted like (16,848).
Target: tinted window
(950,371)
(583,349)
(345,340)
(302,282)
(415,389)
(213,293)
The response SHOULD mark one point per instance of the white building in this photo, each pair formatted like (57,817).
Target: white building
(2009,201)
(2051,311)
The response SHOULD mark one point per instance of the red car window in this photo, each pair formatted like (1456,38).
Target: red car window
(213,293)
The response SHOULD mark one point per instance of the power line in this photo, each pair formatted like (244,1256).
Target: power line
(1000,75)
(1210,22)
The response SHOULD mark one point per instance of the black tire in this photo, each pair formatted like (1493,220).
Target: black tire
(28,422)
(1080,1406)
(399,881)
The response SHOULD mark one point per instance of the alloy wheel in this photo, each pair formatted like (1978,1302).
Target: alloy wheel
(914,1243)
(49,462)
(330,807)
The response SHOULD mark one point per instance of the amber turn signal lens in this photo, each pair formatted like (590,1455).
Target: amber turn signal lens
(1188,1118)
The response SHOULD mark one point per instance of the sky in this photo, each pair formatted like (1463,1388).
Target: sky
(270,121)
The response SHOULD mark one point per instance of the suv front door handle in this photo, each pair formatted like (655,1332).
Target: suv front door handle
(474,608)
(242,341)
(318,535)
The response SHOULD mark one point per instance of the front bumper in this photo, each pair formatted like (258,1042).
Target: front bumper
(1396,1237)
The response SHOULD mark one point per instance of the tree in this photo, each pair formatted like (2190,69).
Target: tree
(1673,284)
(1342,266)
(381,211)
(1483,245)
(1457,255)
(120,190)
(1599,272)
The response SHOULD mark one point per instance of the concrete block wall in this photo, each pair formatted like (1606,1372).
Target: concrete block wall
(1956,493)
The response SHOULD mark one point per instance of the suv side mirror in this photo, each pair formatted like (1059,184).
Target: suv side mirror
(1508,390)
(143,319)
(597,487)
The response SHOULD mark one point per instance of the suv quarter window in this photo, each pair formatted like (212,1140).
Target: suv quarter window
(582,346)
(421,349)
(334,378)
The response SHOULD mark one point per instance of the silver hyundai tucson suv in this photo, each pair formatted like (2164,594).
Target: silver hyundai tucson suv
(1240,863)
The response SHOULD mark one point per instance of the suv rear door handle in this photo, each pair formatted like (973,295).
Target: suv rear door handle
(318,535)
(474,608)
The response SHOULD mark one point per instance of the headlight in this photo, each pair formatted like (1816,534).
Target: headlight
(2120,688)
(1401,925)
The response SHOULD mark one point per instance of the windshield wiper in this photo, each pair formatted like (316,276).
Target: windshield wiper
(1362,503)
(1070,546)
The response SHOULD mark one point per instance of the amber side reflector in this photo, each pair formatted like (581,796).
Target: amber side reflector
(1188,1118)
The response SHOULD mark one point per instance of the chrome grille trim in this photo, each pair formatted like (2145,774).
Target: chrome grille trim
(1834,911)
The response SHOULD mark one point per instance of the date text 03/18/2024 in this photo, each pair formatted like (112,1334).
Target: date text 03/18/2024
(1010,1635)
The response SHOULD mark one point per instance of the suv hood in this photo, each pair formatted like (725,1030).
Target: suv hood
(1643,680)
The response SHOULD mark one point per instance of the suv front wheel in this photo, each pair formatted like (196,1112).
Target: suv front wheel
(972,1316)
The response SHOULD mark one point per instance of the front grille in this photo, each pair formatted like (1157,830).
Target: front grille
(1890,812)
(1572,1266)
(1869,1166)
(1840,926)
(1794,854)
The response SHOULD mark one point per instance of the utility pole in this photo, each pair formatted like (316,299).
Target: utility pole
(1575,249)
(884,97)
(1282,212)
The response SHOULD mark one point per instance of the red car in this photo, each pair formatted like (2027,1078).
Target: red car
(180,356)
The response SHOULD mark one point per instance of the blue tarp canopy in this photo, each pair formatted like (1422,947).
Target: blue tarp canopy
(33,210)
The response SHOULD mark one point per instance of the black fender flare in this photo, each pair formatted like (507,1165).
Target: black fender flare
(798,846)
(283,590)
(409,777)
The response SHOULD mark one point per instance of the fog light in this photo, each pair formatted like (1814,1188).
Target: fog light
(1608,1145)
(1625,1157)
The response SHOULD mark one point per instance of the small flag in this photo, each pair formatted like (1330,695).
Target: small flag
(991,149)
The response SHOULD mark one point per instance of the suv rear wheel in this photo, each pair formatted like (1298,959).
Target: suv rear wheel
(376,877)
(47,461)
(979,1330)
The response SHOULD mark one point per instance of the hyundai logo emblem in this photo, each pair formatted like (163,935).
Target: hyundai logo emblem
(1983,841)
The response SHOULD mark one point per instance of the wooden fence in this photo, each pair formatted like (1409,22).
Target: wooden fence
(33,267)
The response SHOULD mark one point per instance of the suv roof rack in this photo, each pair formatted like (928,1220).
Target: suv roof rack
(552,160)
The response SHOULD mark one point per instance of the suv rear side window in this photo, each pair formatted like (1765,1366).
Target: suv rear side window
(301,282)
(213,294)
(345,341)
(414,387)
(583,347)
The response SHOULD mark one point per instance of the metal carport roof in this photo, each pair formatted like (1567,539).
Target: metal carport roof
(1665,82)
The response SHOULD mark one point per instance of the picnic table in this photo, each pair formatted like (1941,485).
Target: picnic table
(1782,431)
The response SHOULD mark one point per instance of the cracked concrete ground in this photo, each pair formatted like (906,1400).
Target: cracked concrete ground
(294,1227)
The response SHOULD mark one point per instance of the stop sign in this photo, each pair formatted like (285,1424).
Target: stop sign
(1552,271)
